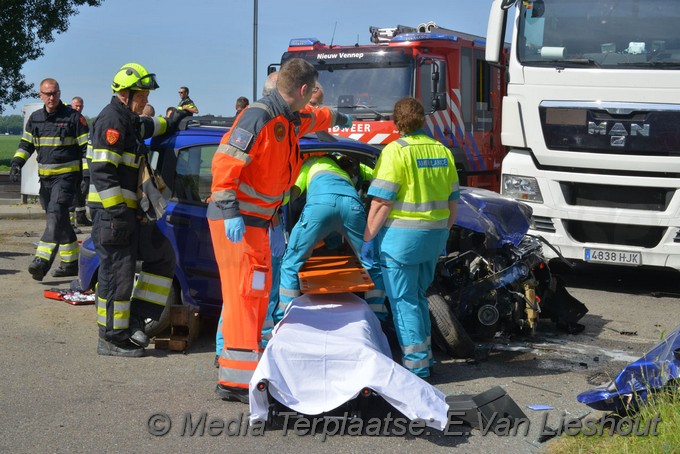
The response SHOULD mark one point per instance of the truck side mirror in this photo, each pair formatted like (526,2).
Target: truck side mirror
(495,31)
(436,102)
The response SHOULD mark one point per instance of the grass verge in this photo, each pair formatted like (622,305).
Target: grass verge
(664,405)
(8,145)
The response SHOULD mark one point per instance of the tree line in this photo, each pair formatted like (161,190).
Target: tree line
(14,124)
(27,25)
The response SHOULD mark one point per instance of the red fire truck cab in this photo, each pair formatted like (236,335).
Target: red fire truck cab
(444,69)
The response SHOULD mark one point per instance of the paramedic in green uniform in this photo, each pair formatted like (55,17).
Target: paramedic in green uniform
(415,191)
(333,206)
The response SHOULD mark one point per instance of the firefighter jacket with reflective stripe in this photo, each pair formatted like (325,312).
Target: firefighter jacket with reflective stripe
(258,160)
(59,138)
(419,175)
(116,144)
(186,102)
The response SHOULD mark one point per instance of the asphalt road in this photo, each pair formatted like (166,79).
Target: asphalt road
(58,395)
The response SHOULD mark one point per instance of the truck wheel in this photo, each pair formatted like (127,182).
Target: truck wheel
(447,332)
(153,328)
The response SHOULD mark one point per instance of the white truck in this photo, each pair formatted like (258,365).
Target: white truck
(592,122)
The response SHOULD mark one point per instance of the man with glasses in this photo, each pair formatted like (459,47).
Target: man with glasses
(58,134)
(185,103)
(317,96)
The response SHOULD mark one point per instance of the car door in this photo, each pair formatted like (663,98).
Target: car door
(186,226)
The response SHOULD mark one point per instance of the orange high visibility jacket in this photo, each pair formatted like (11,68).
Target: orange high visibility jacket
(259,159)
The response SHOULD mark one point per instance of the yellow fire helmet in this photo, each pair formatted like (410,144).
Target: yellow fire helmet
(133,76)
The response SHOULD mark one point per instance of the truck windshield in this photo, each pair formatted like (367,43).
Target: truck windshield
(365,91)
(609,33)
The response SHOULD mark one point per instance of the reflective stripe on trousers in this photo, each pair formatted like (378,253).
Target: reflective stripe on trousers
(120,316)
(237,366)
(69,252)
(45,250)
(152,288)
(245,277)
(412,350)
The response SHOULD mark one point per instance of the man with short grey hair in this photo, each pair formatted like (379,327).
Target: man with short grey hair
(59,135)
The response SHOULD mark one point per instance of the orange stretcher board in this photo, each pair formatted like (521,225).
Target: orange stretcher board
(334,274)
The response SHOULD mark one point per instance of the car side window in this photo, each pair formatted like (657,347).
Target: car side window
(193,176)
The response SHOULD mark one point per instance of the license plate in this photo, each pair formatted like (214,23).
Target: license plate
(613,257)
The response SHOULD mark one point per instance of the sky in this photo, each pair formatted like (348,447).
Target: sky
(207,45)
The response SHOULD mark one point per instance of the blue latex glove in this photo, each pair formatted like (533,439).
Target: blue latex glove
(348,124)
(277,241)
(235,228)
(368,253)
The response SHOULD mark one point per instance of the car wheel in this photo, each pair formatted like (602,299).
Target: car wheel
(152,327)
(447,332)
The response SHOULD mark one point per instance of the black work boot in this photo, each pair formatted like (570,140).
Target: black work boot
(233,394)
(82,220)
(125,348)
(38,268)
(137,334)
(66,269)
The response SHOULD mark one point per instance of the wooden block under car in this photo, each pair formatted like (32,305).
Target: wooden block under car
(184,328)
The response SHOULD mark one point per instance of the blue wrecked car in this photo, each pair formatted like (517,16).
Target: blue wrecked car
(494,278)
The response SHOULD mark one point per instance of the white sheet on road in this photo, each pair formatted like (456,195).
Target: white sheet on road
(325,350)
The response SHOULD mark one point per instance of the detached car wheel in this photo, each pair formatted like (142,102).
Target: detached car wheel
(153,328)
(447,331)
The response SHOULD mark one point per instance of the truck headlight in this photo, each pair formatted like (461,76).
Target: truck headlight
(521,188)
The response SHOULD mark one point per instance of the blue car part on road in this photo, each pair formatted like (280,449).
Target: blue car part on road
(653,371)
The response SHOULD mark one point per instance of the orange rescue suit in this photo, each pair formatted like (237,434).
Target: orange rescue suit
(256,163)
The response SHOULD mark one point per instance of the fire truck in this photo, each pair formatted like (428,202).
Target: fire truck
(444,69)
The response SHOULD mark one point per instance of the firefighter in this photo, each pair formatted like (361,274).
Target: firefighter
(332,206)
(185,102)
(415,191)
(119,234)
(78,214)
(58,134)
(255,165)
